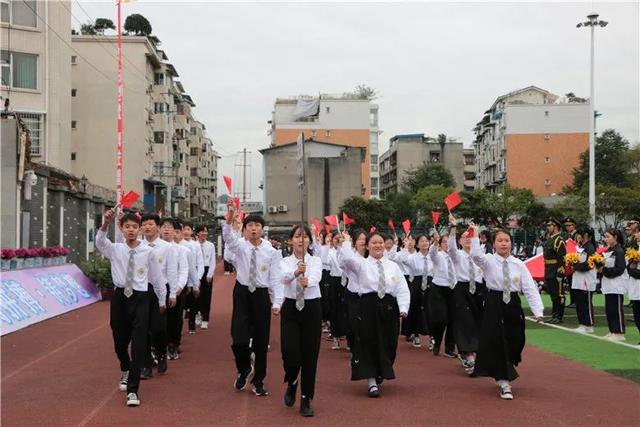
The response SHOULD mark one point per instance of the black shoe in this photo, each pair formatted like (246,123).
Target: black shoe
(162,364)
(179,349)
(290,395)
(259,390)
(450,354)
(241,381)
(379,380)
(572,305)
(553,321)
(305,407)
(373,391)
(146,373)
(436,350)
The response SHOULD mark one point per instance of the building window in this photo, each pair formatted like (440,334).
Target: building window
(35,123)
(374,184)
(74,59)
(21,13)
(547,137)
(194,151)
(547,182)
(328,110)
(546,113)
(19,70)
(547,159)
(313,133)
(158,168)
(160,107)
(327,134)
(73,156)
(74,124)
(194,171)
(158,137)
(158,79)
(434,156)
(74,92)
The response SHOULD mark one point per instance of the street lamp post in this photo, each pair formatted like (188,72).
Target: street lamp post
(592,23)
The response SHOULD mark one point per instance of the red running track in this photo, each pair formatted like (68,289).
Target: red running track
(64,372)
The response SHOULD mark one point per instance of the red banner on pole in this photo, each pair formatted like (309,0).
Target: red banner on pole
(227,182)
(332,219)
(347,220)
(452,200)
(435,216)
(406,226)
(129,199)
(120,124)
(391,225)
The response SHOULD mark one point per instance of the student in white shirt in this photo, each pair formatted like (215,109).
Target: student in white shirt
(422,271)
(583,280)
(131,263)
(358,237)
(258,275)
(614,284)
(321,245)
(441,302)
(208,250)
(301,319)
(633,269)
(195,273)
(502,336)
(337,284)
(401,257)
(382,299)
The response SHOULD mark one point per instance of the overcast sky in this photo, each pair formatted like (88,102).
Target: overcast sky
(437,66)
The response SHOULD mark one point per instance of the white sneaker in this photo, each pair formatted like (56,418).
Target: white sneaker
(506,393)
(617,338)
(204,325)
(124,380)
(416,341)
(581,329)
(336,344)
(608,335)
(198,319)
(133,399)
(588,329)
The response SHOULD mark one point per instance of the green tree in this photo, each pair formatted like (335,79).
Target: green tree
(509,203)
(366,212)
(575,205)
(611,163)
(427,174)
(428,199)
(476,206)
(614,204)
(366,92)
(88,29)
(138,25)
(103,24)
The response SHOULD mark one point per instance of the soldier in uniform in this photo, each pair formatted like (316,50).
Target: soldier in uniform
(554,251)
(570,233)
(633,226)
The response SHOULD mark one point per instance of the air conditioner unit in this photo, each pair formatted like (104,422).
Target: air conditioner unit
(282,208)
(273,209)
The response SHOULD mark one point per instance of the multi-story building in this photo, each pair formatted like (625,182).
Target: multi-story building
(203,170)
(348,119)
(530,138)
(35,60)
(469,169)
(408,152)
(332,172)
(157,116)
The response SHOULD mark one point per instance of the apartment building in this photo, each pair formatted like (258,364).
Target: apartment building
(530,138)
(35,62)
(408,152)
(344,119)
(203,172)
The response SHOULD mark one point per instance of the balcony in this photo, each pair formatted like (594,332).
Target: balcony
(179,192)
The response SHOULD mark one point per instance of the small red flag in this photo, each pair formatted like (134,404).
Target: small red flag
(406,226)
(236,201)
(332,219)
(470,232)
(317,224)
(435,216)
(129,199)
(227,181)
(372,229)
(138,215)
(242,215)
(391,225)
(327,228)
(346,219)
(452,200)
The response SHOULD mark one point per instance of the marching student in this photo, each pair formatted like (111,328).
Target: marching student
(502,337)
(401,257)
(196,270)
(172,233)
(167,276)
(422,268)
(258,274)
(583,280)
(321,249)
(337,283)
(383,298)
(358,237)
(208,250)
(131,264)
(301,319)
(634,284)
(614,284)
(467,313)
(441,302)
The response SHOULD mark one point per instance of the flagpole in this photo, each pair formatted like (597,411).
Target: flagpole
(120,105)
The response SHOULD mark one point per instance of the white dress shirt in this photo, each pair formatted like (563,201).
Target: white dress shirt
(267,263)
(334,265)
(584,280)
(614,285)
(199,258)
(461,260)
(321,251)
(208,250)
(420,264)
(441,262)
(401,258)
(521,280)
(353,285)
(182,252)
(313,272)
(165,255)
(193,281)
(118,255)
(368,276)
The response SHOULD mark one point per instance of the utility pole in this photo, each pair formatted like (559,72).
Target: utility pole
(244,165)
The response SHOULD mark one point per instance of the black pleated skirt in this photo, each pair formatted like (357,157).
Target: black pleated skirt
(502,337)
(440,304)
(467,318)
(417,319)
(324,293)
(338,313)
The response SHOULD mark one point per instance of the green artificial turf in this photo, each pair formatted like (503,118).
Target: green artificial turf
(609,357)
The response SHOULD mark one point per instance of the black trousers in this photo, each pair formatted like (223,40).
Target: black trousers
(441,315)
(417,321)
(555,288)
(636,312)
(204,300)
(338,308)
(191,305)
(584,306)
(228,267)
(324,291)
(613,306)
(157,327)
(129,319)
(175,322)
(300,333)
(251,320)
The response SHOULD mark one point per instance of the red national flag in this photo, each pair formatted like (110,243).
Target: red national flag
(372,229)
(317,224)
(347,220)
(452,200)
(236,201)
(470,232)
(327,228)
(242,215)
(332,219)
(391,225)
(435,216)
(227,181)
(129,199)
(406,226)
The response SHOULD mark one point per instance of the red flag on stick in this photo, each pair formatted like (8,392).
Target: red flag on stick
(129,199)
(372,229)
(332,219)
(227,181)
(236,201)
(435,216)
(406,226)
(347,220)
(391,225)
(327,228)
(452,200)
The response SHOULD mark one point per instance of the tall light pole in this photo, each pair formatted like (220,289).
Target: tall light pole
(592,22)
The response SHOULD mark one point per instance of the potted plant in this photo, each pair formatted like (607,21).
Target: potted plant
(39,258)
(98,269)
(7,256)
(63,253)
(21,254)
(30,257)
